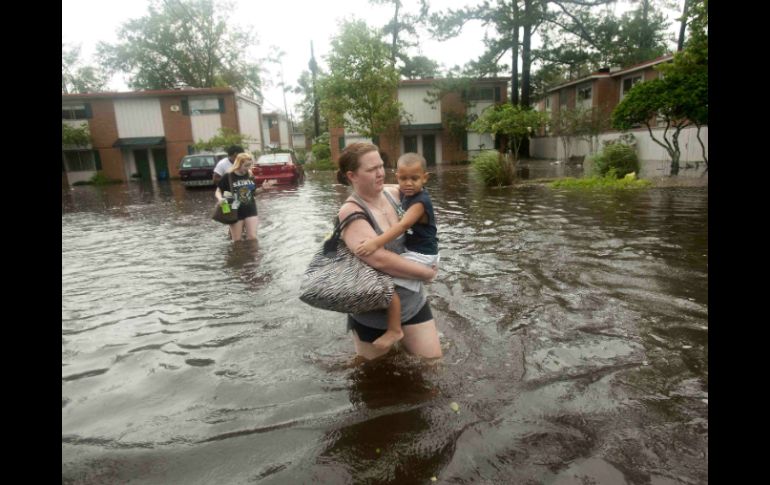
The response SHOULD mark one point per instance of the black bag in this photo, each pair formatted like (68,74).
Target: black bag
(338,280)
(220,216)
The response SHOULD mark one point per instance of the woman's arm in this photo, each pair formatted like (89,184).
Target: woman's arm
(382,259)
(411,217)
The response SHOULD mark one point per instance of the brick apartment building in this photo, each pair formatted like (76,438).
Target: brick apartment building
(145,134)
(428,132)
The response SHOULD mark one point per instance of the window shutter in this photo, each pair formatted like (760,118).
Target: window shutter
(190,149)
(497,142)
(98,160)
(376,140)
(221,105)
(89,113)
(341,141)
(185,107)
(497,93)
(465,141)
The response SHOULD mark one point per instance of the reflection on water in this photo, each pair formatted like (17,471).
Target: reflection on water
(574,329)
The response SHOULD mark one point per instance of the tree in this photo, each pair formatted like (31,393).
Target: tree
(419,67)
(360,92)
(75,135)
(514,122)
(693,61)
(307,106)
(671,99)
(76,77)
(184,43)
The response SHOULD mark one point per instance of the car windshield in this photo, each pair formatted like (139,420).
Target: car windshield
(274,158)
(199,162)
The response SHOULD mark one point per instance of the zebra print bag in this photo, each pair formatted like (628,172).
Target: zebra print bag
(338,280)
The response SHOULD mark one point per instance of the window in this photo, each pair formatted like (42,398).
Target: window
(584,95)
(548,103)
(629,83)
(79,161)
(76,111)
(202,106)
(563,99)
(481,94)
(198,162)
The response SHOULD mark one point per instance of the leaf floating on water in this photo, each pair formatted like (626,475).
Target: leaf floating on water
(377,450)
(433,479)
(686,346)
(455,407)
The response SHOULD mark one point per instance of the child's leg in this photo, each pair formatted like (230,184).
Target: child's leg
(394,333)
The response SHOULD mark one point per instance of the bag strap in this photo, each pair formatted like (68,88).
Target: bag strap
(330,245)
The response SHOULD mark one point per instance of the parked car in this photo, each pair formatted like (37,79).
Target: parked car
(283,168)
(197,170)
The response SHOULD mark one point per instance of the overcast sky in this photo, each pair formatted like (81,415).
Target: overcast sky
(288,24)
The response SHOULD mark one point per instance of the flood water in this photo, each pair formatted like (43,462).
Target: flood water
(574,328)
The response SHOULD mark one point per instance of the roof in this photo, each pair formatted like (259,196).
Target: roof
(149,93)
(600,75)
(428,81)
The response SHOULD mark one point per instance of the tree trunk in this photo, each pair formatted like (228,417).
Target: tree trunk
(703,148)
(515,56)
(395,36)
(313,69)
(682,27)
(526,54)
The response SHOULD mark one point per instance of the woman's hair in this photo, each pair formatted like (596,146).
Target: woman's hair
(240,160)
(349,158)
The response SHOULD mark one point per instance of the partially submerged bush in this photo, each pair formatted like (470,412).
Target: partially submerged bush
(493,171)
(609,181)
(618,157)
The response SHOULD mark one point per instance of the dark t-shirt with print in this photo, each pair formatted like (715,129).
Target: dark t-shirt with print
(421,237)
(243,190)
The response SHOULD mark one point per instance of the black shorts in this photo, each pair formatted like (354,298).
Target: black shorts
(369,334)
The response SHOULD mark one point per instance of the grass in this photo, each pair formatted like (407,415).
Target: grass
(608,182)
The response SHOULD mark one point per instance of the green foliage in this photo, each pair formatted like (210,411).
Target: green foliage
(321,165)
(185,43)
(493,171)
(100,179)
(419,67)
(514,122)
(321,150)
(79,136)
(608,182)
(223,139)
(360,93)
(79,78)
(616,158)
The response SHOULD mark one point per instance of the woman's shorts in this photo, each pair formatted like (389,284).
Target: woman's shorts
(369,334)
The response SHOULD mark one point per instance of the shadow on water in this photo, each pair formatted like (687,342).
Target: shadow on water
(392,437)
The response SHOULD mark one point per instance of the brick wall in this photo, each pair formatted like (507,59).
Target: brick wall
(230,116)
(177,129)
(334,142)
(452,146)
(104,133)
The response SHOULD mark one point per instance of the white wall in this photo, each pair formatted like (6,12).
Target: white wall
(248,119)
(138,117)
(412,98)
(653,158)
(205,126)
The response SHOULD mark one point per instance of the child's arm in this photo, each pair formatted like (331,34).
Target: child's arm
(411,217)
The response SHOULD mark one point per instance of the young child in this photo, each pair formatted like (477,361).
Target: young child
(419,224)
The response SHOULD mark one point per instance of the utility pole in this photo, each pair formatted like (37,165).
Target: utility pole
(313,69)
(289,124)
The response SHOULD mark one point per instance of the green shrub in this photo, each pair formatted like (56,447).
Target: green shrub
(321,150)
(100,179)
(609,181)
(618,156)
(491,170)
(321,165)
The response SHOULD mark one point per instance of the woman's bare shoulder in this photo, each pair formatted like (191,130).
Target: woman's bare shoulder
(347,208)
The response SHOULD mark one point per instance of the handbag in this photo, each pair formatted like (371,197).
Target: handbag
(225,218)
(338,280)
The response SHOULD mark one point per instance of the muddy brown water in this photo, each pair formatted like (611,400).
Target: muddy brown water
(574,328)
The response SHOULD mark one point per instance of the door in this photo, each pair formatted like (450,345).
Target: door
(429,148)
(142,162)
(161,164)
(410,143)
